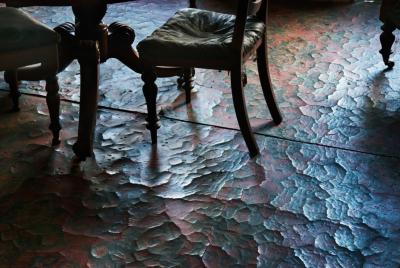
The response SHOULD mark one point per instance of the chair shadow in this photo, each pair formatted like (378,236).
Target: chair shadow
(382,125)
(261,128)
(180,101)
(5,102)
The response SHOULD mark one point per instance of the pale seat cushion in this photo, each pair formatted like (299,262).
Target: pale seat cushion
(196,35)
(19,31)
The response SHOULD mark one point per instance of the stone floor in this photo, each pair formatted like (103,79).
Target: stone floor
(325,191)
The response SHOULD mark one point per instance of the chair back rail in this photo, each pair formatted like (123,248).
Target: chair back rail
(254,5)
(259,8)
(240,25)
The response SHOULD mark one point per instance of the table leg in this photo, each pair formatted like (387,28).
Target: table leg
(91,48)
(95,46)
(89,61)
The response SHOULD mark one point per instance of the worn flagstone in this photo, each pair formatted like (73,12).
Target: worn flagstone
(323,193)
(327,73)
(195,201)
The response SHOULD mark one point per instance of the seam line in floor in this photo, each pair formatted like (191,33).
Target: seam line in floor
(220,127)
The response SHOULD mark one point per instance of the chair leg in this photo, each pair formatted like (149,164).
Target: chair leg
(53,104)
(241,111)
(188,77)
(150,91)
(387,39)
(180,81)
(266,84)
(11,78)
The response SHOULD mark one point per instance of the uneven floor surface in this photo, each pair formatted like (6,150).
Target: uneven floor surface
(325,191)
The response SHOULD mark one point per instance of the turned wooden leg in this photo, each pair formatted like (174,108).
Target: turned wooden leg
(186,75)
(11,78)
(265,80)
(53,104)
(188,78)
(150,91)
(89,59)
(241,111)
(387,39)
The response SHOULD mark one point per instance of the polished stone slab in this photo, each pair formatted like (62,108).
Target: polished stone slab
(198,200)
(328,76)
(195,201)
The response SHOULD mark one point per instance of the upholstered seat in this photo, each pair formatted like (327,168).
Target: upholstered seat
(25,41)
(28,45)
(198,35)
(195,38)
(19,31)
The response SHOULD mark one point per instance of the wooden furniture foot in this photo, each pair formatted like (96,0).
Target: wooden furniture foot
(188,85)
(266,85)
(241,111)
(150,91)
(89,60)
(11,78)
(387,39)
(53,104)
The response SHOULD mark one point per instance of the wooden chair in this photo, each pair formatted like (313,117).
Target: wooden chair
(196,38)
(30,48)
